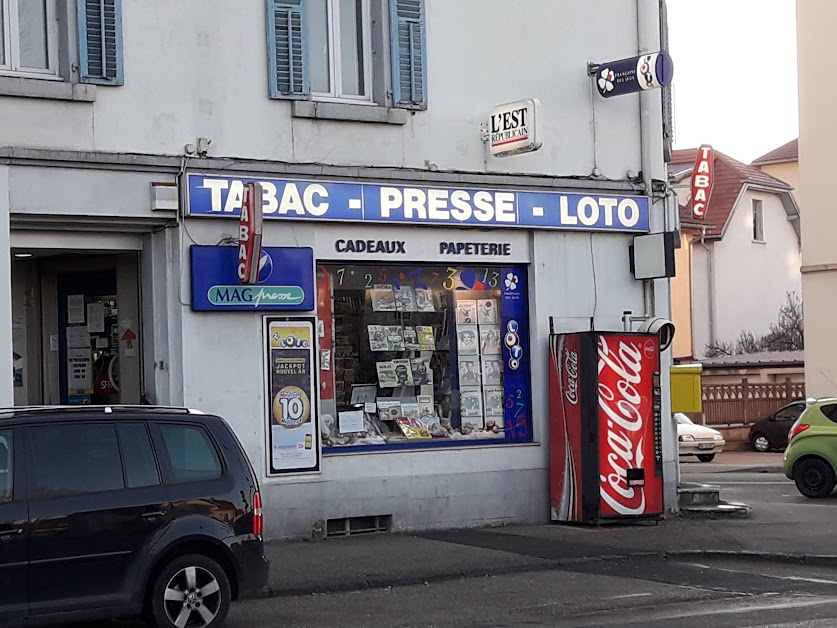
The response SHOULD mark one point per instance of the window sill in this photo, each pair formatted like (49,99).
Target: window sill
(48,89)
(348,112)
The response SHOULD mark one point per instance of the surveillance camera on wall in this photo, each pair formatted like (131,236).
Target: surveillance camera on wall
(662,327)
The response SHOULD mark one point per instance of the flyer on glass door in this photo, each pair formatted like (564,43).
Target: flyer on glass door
(293,433)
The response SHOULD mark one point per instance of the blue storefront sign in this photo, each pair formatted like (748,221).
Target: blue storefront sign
(285,283)
(293,199)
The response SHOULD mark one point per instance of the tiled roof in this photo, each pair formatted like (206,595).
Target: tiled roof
(767,358)
(787,152)
(730,177)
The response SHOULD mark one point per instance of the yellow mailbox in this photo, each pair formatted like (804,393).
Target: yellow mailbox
(685,388)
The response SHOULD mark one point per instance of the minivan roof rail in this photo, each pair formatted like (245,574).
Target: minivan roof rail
(105,409)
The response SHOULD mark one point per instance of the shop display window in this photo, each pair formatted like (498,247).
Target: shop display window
(423,356)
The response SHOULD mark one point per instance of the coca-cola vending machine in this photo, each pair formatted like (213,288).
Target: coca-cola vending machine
(605,427)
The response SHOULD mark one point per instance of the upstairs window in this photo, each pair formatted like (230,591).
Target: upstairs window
(758,220)
(323,50)
(339,48)
(28,38)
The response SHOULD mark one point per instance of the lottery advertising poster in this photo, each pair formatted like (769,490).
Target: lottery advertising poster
(293,433)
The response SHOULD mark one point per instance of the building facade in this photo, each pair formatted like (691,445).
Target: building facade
(130,132)
(819,265)
(749,241)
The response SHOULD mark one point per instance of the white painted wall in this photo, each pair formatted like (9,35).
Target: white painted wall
(198,68)
(752,278)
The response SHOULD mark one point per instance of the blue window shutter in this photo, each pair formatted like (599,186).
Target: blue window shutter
(100,41)
(408,42)
(286,41)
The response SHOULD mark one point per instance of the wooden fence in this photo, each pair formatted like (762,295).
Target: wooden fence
(745,403)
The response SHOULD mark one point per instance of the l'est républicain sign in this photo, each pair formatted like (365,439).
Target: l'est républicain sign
(331,201)
(514,128)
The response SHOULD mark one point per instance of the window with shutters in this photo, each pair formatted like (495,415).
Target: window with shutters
(348,51)
(28,38)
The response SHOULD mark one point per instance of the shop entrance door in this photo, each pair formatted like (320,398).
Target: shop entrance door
(91,333)
(88,338)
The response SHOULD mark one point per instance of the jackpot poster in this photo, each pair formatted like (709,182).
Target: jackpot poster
(293,426)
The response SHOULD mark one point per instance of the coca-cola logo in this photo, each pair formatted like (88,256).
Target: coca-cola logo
(623,413)
(571,366)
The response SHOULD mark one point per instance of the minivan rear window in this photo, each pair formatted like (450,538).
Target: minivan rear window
(137,456)
(192,457)
(74,460)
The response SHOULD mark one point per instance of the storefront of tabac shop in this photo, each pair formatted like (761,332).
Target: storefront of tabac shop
(388,368)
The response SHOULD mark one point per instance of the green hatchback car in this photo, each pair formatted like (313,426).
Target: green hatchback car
(811,454)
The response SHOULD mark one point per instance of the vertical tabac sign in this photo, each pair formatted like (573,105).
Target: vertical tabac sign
(703,178)
(250,234)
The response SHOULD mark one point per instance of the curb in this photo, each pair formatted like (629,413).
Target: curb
(762,469)
(384,582)
(817,560)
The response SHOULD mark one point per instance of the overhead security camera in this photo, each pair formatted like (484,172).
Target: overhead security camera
(663,327)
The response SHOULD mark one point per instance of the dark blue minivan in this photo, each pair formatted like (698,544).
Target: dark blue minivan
(122,511)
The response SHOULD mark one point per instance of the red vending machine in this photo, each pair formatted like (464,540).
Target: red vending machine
(605,427)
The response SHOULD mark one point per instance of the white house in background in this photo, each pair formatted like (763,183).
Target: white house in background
(742,259)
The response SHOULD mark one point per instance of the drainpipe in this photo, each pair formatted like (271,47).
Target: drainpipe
(710,280)
(651,136)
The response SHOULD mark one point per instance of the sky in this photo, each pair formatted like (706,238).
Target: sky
(734,74)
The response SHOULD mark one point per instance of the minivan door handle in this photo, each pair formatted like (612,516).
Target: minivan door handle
(8,533)
(151,516)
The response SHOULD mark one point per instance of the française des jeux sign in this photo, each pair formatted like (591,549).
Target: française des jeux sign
(284,282)
(294,199)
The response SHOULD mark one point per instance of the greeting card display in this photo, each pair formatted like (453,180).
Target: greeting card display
(487,312)
(426,339)
(422,373)
(490,340)
(405,299)
(377,338)
(395,337)
(469,371)
(411,341)
(471,401)
(403,372)
(493,397)
(386,375)
(467,339)
(492,371)
(383,298)
(424,300)
(389,409)
(466,312)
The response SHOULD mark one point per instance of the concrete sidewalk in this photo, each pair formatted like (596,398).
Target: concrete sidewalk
(378,561)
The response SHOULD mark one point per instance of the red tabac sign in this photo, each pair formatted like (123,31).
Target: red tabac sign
(250,234)
(703,178)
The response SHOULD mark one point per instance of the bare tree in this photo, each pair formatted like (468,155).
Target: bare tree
(786,334)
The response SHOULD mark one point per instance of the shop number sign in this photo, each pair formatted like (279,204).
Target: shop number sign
(292,199)
(293,426)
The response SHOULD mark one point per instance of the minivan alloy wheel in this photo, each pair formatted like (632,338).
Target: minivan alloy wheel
(193,598)
(191,592)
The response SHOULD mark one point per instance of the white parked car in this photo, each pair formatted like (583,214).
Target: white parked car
(697,440)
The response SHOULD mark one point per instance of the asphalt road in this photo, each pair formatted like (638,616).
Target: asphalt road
(638,591)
